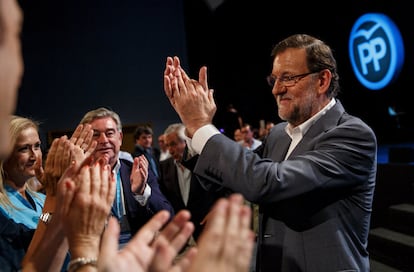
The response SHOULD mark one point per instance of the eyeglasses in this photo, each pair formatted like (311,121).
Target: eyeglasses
(286,81)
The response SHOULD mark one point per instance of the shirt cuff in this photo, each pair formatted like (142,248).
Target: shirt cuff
(201,136)
(143,199)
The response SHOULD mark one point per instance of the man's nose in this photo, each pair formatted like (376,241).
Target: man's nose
(278,88)
(102,138)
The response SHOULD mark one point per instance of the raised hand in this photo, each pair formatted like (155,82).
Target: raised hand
(84,145)
(191,99)
(226,243)
(57,161)
(139,174)
(170,241)
(62,154)
(153,248)
(87,206)
(169,77)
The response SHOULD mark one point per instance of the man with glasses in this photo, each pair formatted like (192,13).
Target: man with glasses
(314,176)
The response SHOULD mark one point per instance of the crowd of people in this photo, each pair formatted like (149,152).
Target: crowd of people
(99,209)
(71,217)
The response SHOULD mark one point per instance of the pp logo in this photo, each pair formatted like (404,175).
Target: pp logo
(376,50)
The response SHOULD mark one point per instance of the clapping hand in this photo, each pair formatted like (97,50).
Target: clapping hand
(153,247)
(62,153)
(191,99)
(139,175)
(84,145)
(226,242)
(89,197)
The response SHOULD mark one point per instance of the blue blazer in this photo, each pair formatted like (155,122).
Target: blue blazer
(314,207)
(138,215)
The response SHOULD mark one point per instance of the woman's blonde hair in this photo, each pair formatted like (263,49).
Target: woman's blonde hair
(16,125)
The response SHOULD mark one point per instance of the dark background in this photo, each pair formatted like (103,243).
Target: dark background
(83,54)
(80,55)
(242,33)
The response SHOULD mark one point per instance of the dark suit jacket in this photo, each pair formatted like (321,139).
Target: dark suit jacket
(138,151)
(138,215)
(199,201)
(157,153)
(14,241)
(315,207)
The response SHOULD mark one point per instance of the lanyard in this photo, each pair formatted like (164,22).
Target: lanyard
(118,205)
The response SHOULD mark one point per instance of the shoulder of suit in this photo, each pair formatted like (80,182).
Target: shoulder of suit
(126,162)
(169,160)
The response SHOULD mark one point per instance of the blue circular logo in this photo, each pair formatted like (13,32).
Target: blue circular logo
(376,50)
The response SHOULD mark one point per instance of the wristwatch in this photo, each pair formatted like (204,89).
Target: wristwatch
(45,217)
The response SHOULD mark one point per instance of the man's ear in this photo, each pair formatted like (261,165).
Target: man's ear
(325,77)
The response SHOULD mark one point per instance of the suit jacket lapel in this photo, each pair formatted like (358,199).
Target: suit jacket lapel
(276,150)
(325,123)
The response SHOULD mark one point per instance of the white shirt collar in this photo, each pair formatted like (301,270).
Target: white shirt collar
(117,166)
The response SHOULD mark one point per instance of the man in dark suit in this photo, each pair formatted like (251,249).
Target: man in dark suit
(143,136)
(138,196)
(178,183)
(313,177)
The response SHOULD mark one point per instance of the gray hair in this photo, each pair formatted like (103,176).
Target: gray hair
(176,128)
(101,113)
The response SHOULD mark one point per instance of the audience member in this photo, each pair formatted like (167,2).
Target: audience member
(314,177)
(238,136)
(164,153)
(178,183)
(143,146)
(264,131)
(229,121)
(49,245)
(11,70)
(138,196)
(249,141)
(84,200)
(18,202)
(49,235)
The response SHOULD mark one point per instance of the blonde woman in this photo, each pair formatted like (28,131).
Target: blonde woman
(18,202)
